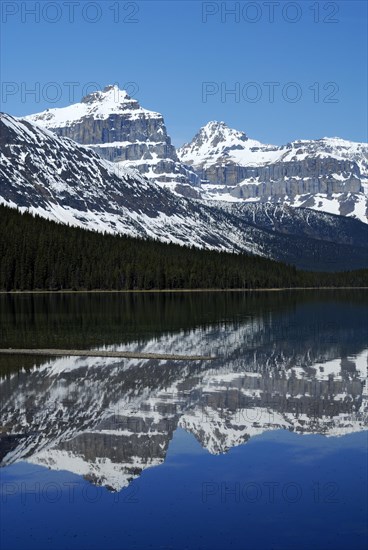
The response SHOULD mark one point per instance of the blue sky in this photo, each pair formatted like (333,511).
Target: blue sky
(184,58)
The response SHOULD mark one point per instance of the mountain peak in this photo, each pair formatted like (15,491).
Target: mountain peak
(111,94)
(120,130)
(215,140)
(99,105)
(216,124)
(221,129)
(216,135)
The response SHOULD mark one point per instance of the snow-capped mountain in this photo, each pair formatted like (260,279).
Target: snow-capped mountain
(60,180)
(63,181)
(109,419)
(220,163)
(121,131)
(328,174)
(216,142)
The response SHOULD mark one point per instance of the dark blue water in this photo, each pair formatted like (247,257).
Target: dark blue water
(265,447)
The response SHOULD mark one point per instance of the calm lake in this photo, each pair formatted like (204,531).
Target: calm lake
(264,447)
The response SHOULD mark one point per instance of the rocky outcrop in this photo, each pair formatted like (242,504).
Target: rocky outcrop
(61,180)
(229,163)
(312,175)
(121,131)
(219,160)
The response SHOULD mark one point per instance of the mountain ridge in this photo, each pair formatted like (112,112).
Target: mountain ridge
(58,179)
(220,163)
(328,174)
(119,130)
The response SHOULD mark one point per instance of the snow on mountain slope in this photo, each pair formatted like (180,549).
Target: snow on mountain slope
(99,105)
(351,205)
(299,221)
(329,174)
(217,142)
(121,131)
(337,148)
(61,180)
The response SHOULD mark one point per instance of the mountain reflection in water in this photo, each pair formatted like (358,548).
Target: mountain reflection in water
(109,419)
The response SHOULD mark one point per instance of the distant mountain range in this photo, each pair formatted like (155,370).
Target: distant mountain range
(108,164)
(58,179)
(328,174)
(220,163)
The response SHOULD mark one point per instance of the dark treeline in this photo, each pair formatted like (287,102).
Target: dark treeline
(38,254)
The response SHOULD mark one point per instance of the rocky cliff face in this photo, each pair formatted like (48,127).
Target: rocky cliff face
(61,180)
(121,131)
(328,174)
(58,179)
(220,163)
(223,156)
(312,175)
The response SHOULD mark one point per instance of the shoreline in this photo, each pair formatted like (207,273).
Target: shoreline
(178,290)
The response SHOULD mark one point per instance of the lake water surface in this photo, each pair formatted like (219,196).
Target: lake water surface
(264,447)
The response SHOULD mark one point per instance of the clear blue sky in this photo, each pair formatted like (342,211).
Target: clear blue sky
(173,48)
